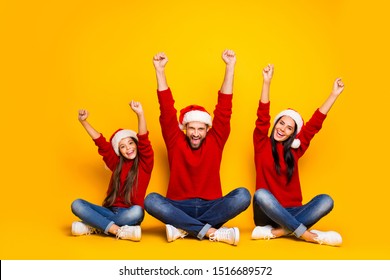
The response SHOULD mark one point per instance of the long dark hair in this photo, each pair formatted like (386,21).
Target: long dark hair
(130,183)
(288,156)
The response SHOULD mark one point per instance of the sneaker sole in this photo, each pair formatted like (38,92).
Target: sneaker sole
(169,233)
(236,236)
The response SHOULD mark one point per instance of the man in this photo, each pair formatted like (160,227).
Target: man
(194,204)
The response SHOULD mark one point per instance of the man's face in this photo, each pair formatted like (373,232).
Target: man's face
(196,133)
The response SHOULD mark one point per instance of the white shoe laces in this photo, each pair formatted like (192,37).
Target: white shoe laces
(220,234)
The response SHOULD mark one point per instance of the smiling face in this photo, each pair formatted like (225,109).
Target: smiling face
(196,132)
(284,128)
(128,148)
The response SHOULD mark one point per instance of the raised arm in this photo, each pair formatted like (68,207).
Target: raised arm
(338,87)
(137,108)
(229,57)
(268,72)
(159,62)
(83,115)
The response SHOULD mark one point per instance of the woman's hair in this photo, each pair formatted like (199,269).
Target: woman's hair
(288,156)
(130,183)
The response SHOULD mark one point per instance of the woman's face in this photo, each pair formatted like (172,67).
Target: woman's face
(128,148)
(284,128)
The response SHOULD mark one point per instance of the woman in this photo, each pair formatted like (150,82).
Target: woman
(277,202)
(130,157)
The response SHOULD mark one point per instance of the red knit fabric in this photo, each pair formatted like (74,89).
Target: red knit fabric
(145,167)
(194,173)
(288,194)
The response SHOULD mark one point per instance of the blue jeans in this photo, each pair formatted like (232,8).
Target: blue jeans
(103,218)
(196,216)
(268,211)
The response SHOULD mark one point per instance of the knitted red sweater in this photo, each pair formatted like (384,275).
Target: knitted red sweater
(194,173)
(288,194)
(145,167)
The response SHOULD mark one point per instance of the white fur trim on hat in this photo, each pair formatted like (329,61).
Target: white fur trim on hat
(195,116)
(124,133)
(298,121)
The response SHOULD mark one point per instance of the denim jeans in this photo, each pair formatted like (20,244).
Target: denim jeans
(103,218)
(268,211)
(196,216)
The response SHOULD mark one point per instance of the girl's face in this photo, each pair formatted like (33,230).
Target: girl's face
(284,128)
(128,148)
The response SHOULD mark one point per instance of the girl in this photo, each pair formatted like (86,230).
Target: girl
(277,202)
(130,157)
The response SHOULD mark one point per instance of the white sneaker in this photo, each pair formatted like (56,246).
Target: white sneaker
(79,228)
(227,235)
(331,238)
(264,232)
(132,233)
(174,233)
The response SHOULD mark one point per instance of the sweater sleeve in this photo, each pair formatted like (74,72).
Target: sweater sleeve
(168,118)
(145,151)
(262,125)
(309,130)
(222,116)
(145,167)
(105,149)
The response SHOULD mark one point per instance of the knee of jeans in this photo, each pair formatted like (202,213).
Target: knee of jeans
(76,205)
(137,211)
(150,201)
(244,195)
(327,201)
(261,196)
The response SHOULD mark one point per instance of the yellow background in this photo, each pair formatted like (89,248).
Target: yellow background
(59,56)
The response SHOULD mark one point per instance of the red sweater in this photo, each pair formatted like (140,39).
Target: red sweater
(288,194)
(145,167)
(194,173)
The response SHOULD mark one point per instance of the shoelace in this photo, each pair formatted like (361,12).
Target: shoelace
(120,233)
(182,233)
(220,235)
(269,236)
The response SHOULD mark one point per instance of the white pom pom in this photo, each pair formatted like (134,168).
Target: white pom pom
(296,143)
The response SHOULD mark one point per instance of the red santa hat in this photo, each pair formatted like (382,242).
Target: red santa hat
(298,121)
(194,113)
(119,135)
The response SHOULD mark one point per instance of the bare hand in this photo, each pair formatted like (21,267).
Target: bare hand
(83,115)
(268,72)
(160,60)
(229,57)
(338,86)
(136,107)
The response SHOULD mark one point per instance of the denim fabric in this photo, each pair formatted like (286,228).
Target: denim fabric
(196,215)
(103,218)
(268,211)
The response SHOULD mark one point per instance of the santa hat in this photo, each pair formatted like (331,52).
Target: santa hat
(119,135)
(298,121)
(193,113)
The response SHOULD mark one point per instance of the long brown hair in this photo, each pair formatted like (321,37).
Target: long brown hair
(288,156)
(131,182)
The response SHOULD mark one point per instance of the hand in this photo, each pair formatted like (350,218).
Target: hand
(338,86)
(268,72)
(136,107)
(83,115)
(229,57)
(160,60)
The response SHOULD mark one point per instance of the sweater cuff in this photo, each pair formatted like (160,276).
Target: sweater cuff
(99,140)
(168,90)
(319,115)
(143,136)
